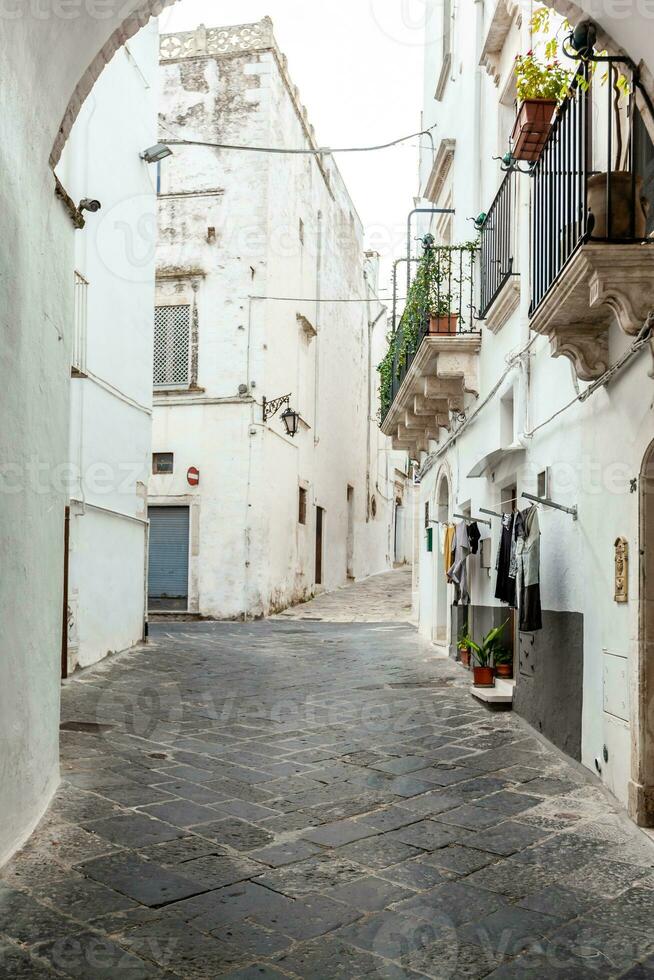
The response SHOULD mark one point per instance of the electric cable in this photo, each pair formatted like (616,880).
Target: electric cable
(317,151)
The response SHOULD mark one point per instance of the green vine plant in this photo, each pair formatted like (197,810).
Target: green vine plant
(437,290)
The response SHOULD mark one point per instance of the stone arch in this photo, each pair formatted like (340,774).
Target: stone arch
(144,10)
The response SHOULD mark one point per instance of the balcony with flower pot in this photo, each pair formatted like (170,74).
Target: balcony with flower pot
(592,227)
(432,359)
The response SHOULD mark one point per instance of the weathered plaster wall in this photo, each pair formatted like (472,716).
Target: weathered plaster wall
(237,230)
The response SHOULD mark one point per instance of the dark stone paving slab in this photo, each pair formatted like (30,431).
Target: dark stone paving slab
(317,800)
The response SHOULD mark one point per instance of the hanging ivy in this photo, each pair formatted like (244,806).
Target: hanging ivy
(437,290)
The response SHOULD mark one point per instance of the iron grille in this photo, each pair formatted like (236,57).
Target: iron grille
(497,244)
(172,345)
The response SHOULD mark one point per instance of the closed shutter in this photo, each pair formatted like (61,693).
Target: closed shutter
(168,561)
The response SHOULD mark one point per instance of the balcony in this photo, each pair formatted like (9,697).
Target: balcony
(592,260)
(432,359)
(499,286)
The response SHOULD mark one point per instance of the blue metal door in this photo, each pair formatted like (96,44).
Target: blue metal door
(168,558)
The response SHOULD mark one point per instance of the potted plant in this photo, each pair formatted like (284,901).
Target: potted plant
(464,643)
(484,672)
(503,661)
(629,206)
(541,86)
(441,320)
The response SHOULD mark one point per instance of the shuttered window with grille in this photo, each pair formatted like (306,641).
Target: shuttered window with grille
(172,346)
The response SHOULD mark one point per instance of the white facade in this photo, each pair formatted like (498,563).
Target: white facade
(111,397)
(263,290)
(582,679)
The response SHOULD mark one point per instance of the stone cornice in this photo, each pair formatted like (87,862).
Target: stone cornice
(506,11)
(440,169)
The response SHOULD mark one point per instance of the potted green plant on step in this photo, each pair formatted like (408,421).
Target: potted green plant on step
(464,643)
(503,661)
(483,670)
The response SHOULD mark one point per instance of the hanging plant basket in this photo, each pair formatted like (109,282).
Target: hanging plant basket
(532,127)
(443,324)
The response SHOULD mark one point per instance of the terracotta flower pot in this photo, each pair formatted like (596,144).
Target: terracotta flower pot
(532,127)
(484,676)
(621,206)
(443,324)
(464,657)
(504,670)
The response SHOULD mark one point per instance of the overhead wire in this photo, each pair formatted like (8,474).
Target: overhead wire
(320,151)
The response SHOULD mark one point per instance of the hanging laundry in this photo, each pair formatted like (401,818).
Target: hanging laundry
(527,534)
(474,535)
(506,566)
(448,549)
(458,571)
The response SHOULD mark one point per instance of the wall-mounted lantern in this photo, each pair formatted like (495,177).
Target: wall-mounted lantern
(290,417)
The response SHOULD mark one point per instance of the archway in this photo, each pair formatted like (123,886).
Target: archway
(641,787)
(441,627)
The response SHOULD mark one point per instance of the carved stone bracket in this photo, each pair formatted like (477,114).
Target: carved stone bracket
(443,371)
(601,285)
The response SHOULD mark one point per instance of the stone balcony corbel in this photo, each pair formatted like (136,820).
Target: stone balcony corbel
(601,284)
(443,371)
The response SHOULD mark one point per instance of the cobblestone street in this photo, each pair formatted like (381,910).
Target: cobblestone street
(317,800)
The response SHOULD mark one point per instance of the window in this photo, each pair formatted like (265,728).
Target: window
(162,463)
(172,344)
(79,329)
(544,483)
(446,60)
(302,506)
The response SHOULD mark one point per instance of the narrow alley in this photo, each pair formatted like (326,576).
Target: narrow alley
(317,799)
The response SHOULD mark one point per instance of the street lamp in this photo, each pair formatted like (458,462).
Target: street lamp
(156,153)
(290,418)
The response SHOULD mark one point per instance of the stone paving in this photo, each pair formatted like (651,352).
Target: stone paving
(384,598)
(316,800)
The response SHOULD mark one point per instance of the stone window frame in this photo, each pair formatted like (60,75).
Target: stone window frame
(181,289)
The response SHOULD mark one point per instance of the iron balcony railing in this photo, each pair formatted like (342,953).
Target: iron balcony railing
(591,180)
(450,312)
(497,234)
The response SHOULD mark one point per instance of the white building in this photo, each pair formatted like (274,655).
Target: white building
(111,389)
(263,291)
(556,310)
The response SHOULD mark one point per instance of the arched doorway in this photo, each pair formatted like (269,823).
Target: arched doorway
(441,627)
(641,788)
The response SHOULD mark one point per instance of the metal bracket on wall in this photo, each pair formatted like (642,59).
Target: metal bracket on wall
(546,502)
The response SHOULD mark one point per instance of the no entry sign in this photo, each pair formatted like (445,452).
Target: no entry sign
(193,476)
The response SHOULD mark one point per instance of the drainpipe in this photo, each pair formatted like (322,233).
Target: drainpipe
(478,112)
(369,419)
(317,338)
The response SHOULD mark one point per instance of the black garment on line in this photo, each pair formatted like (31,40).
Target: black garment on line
(531,618)
(505,588)
(474,535)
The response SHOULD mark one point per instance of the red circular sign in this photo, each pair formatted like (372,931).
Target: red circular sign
(193,476)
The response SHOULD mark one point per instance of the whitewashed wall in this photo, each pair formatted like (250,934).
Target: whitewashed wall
(111,405)
(593,451)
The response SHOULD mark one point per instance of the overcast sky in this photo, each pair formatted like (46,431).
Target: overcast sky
(358,66)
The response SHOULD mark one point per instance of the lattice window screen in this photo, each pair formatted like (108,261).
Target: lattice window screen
(172,345)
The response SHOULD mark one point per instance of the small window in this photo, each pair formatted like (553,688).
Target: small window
(544,483)
(172,346)
(162,463)
(302,506)
(301,231)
